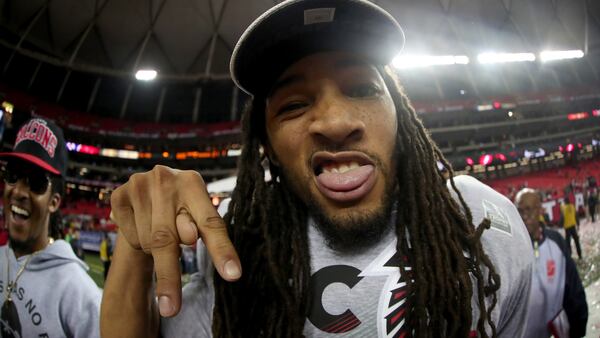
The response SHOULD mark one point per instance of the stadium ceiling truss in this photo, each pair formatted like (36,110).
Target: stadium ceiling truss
(176,35)
(190,41)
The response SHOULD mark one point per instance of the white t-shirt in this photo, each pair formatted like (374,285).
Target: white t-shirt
(360,295)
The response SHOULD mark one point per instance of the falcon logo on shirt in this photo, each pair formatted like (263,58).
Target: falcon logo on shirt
(392,304)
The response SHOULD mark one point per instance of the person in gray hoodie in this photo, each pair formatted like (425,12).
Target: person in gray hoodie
(44,288)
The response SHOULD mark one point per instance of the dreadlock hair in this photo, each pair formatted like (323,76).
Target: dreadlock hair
(55,225)
(267,224)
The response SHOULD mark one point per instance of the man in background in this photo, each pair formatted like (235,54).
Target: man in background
(105,253)
(570,222)
(557,303)
(592,201)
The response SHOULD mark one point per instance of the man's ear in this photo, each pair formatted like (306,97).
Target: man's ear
(55,201)
(271,155)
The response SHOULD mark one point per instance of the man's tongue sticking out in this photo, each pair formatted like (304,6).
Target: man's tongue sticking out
(346,181)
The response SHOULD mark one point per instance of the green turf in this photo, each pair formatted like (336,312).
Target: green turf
(96,270)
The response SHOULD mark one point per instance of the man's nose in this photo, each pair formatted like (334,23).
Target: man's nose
(529,215)
(20,189)
(336,121)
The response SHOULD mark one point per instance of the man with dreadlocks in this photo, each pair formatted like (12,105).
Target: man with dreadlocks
(356,234)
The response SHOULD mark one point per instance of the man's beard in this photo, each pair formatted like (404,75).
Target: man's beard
(356,231)
(21,246)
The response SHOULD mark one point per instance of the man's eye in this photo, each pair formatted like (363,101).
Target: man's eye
(292,106)
(363,90)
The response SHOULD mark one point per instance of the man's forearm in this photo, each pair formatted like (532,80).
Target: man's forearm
(128,307)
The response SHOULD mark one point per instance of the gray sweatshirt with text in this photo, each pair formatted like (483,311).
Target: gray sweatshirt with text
(54,297)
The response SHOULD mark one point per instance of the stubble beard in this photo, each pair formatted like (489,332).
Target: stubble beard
(356,230)
(20,246)
(27,245)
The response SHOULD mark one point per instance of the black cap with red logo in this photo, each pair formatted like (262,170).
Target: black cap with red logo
(42,143)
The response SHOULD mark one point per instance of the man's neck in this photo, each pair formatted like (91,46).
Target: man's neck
(23,249)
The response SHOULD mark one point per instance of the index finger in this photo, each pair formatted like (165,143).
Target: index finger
(212,229)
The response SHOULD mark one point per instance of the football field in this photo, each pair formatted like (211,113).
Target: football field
(96,271)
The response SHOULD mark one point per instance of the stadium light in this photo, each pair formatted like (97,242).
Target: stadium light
(500,157)
(578,116)
(146,74)
(570,147)
(488,58)
(553,55)
(417,61)
(486,159)
(7,107)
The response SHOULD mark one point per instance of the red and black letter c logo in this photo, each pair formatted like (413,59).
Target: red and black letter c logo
(318,316)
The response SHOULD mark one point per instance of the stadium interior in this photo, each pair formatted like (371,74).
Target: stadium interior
(509,89)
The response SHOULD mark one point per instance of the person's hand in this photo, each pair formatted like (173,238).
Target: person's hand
(159,209)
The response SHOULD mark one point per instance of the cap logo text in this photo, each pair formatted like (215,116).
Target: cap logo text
(37,131)
(318,15)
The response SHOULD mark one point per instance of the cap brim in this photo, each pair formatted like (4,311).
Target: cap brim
(32,159)
(282,35)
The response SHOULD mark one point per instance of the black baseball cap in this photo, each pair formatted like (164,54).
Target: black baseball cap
(297,28)
(42,143)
